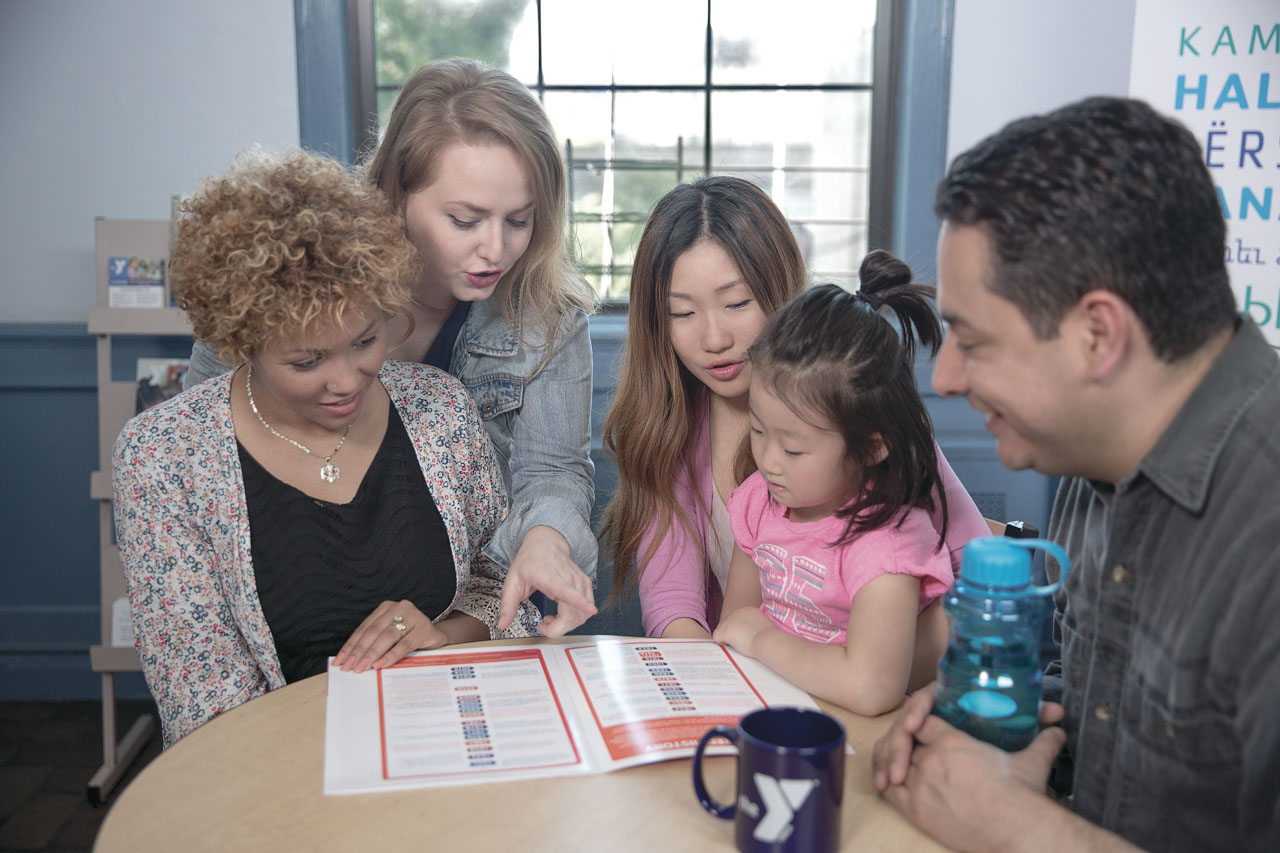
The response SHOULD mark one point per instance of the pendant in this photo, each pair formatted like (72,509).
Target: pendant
(330,473)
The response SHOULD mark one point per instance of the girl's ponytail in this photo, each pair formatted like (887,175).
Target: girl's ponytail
(886,281)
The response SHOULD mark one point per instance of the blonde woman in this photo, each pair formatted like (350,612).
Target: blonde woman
(470,160)
(315,501)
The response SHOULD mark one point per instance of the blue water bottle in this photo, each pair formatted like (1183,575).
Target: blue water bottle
(989,679)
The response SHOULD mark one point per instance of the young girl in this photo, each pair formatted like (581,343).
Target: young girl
(837,554)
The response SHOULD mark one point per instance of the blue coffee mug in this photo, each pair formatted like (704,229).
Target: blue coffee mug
(790,780)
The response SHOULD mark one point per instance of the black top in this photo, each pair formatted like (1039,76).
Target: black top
(441,352)
(322,567)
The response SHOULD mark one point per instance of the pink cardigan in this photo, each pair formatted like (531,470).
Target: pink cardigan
(677,583)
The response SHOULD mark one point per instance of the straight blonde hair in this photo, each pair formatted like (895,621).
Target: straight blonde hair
(463,102)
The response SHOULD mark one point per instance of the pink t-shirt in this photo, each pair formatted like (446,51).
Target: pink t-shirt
(808,586)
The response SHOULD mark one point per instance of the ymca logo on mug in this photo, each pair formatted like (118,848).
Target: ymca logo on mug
(790,780)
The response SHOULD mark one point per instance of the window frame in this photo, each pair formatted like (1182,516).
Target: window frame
(887,37)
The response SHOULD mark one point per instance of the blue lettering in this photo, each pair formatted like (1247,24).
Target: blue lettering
(1248,199)
(1257,37)
(1222,202)
(1252,153)
(1186,42)
(1224,37)
(1233,92)
(1210,148)
(1245,254)
(1199,91)
(1264,101)
(1249,304)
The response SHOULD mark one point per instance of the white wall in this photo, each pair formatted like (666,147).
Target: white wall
(112,106)
(1012,58)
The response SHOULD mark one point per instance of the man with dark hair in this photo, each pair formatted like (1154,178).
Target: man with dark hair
(1082,276)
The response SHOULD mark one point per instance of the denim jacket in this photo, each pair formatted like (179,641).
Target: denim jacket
(539,420)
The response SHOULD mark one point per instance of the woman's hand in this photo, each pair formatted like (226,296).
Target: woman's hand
(543,564)
(741,628)
(378,643)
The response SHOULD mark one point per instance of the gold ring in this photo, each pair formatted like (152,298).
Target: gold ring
(398,623)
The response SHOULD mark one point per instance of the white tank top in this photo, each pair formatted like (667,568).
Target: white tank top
(719,540)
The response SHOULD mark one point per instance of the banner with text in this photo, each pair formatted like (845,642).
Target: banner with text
(1216,68)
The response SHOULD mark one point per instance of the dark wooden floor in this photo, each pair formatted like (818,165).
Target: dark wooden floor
(48,752)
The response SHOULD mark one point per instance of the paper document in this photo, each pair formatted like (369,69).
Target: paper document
(451,716)
(121,623)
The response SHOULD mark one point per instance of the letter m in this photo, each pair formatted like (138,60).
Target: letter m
(1257,38)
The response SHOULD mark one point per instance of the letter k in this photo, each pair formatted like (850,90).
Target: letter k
(782,798)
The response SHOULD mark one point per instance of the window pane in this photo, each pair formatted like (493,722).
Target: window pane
(772,129)
(658,42)
(833,252)
(810,150)
(408,33)
(660,126)
(828,194)
(386,100)
(623,151)
(609,272)
(522,59)
(814,41)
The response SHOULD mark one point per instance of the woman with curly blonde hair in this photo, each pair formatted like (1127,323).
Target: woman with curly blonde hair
(471,161)
(317,500)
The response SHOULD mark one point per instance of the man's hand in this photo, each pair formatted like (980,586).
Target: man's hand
(966,793)
(892,752)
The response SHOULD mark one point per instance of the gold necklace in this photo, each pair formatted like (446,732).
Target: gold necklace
(328,472)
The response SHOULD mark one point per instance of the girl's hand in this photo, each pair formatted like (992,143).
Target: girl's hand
(543,564)
(741,628)
(378,643)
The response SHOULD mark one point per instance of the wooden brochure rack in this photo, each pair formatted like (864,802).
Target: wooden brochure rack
(116,404)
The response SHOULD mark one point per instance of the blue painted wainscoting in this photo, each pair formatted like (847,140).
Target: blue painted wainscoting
(48,439)
(49,560)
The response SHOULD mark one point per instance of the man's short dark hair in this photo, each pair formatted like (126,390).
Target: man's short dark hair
(1101,194)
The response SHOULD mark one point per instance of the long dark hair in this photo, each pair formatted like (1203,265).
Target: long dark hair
(651,423)
(833,355)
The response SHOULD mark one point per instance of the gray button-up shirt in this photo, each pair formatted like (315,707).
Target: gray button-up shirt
(1170,622)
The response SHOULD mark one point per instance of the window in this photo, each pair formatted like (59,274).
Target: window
(645,95)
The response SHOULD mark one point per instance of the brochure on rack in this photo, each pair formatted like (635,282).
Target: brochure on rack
(457,717)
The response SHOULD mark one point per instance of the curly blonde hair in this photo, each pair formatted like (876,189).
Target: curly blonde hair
(282,241)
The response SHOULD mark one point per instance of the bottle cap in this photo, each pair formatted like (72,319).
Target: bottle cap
(993,561)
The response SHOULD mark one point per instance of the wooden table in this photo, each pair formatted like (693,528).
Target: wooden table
(252,779)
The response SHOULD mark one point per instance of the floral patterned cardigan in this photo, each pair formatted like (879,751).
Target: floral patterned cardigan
(183,530)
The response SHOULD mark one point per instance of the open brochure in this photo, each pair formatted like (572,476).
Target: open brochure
(454,717)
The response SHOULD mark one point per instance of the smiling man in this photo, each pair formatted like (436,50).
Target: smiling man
(1082,277)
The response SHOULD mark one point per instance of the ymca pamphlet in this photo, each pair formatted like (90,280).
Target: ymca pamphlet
(135,282)
(456,717)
